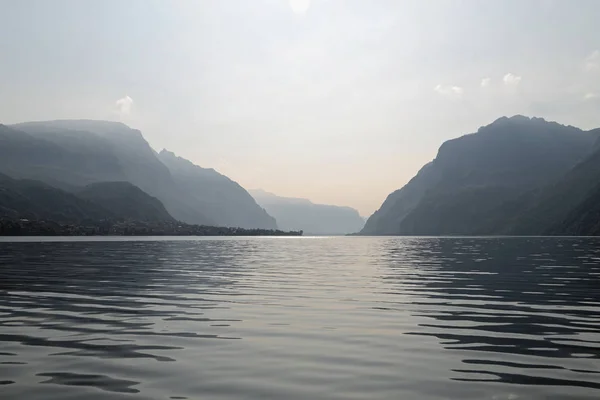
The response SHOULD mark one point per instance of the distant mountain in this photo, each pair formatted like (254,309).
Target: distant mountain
(499,180)
(225,201)
(302,214)
(126,201)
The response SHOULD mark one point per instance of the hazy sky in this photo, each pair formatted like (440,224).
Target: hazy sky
(339,101)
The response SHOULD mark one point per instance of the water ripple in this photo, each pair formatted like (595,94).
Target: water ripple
(297,318)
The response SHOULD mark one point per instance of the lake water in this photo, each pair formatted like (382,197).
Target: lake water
(300,318)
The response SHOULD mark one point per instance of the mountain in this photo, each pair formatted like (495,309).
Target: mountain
(71,154)
(488,182)
(37,200)
(69,160)
(126,201)
(571,206)
(116,201)
(86,151)
(549,209)
(583,220)
(225,201)
(302,214)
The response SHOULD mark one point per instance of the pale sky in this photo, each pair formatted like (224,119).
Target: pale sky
(338,101)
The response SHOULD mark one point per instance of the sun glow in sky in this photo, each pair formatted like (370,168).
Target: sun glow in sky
(300,6)
(338,101)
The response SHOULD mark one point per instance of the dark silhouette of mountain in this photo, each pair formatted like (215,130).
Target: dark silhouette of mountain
(37,200)
(225,201)
(583,220)
(490,182)
(114,201)
(126,201)
(302,214)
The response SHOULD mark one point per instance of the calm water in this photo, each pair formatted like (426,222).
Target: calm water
(301,318)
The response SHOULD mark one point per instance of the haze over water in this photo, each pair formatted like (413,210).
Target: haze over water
(300,318)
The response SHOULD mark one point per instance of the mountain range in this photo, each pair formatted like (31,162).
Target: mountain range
(516,176)
(70,155)
(293,214)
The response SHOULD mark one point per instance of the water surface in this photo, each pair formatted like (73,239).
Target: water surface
(300,318)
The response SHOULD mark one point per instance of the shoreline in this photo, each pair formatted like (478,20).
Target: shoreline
(33,228)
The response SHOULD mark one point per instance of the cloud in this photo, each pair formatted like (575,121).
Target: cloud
(511,79)
(455,91)
(591,96)
(124,105)
(299,7)
(485,82)
(592,62)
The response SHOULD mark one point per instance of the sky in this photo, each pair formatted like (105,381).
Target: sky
(338,101)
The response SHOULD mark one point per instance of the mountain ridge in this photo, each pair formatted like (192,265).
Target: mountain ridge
(312,218)
(484,182)
(74,153)
(517,175)
(227,201)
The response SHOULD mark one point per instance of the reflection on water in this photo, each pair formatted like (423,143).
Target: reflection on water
(297,318)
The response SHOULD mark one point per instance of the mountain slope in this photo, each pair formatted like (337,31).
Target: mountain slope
(227,203)
(111,151)
(398,204)
(97,151)
(70,160)
(126,201)
(483,182)
(302,214)
(549,209)
(37,200)
(583,220)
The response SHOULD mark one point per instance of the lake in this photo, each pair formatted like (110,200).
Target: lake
(300,318)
